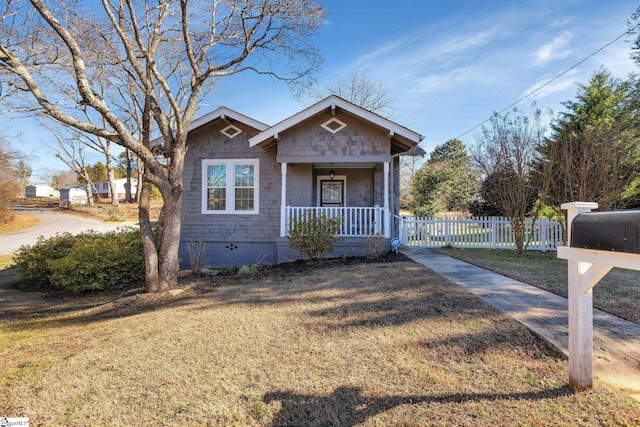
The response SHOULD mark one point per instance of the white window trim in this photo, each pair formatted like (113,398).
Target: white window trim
(321,178)
(231,200)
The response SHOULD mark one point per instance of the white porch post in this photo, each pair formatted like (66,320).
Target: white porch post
(283,204)
(387,212)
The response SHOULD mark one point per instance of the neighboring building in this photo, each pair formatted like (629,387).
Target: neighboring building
(41,191)
(73,196)
(101,188)
(244,180)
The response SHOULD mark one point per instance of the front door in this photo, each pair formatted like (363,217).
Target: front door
(332,193)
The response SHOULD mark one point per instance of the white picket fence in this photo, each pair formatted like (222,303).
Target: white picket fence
(477,232)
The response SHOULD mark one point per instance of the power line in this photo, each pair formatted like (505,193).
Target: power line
(552,80)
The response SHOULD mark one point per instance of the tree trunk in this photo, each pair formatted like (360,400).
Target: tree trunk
(160,245)
(169,225)
(128,197)
(89,185)
(151,277)
(113,190)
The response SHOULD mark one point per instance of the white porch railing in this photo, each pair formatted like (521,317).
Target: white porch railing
(478,232)
(355,222)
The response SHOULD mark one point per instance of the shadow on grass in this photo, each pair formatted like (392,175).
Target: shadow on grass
(335,298)
(356,296)
(346,406)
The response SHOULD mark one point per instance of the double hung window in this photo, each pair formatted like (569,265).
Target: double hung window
(230,186)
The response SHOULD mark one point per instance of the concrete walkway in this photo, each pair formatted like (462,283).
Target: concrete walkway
(616,350)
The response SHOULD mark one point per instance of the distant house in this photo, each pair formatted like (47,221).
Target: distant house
(73,196)
(101,188)
(244,181)
(41,191)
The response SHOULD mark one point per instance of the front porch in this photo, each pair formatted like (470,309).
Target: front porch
(357,193)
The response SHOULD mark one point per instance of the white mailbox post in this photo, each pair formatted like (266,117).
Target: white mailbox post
(586,268)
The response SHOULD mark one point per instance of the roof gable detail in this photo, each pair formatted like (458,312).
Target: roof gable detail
(332,103)
(227,114)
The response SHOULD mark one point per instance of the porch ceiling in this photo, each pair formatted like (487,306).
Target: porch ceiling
(348,165)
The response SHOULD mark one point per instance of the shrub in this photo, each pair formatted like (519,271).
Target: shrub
(313,235)
(33,261)
(479,207)
(87,262)
(197,251)
(225,270)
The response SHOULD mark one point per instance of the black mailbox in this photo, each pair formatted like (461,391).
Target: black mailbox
(617,231)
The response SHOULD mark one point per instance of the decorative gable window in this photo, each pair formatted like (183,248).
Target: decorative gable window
(333,125)
(231,131)
(230,186)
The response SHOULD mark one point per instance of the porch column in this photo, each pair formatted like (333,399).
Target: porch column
(387,214)
(283,204)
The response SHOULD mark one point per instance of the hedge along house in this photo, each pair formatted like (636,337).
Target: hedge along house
(244,181)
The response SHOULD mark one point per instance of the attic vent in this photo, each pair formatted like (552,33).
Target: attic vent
(231,131)
(333,125)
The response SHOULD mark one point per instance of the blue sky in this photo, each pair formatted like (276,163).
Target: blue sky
(451,63)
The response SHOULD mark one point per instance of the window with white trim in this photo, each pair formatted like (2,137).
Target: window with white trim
(230,186)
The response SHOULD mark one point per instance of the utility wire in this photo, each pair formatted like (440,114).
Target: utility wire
(552,80)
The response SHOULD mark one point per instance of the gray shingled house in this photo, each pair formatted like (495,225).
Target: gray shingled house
(244,180)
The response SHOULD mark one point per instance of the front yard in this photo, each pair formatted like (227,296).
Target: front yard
(339,345)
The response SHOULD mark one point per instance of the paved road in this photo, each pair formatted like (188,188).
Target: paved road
(50,223)
(616,350)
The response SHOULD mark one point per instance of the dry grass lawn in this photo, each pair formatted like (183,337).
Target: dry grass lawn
(617,293)
(124,212)
(19,222)
(343,345)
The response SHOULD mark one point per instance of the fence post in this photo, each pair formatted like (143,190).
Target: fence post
(447,231)
(543,233)
(494,232)
(403,230)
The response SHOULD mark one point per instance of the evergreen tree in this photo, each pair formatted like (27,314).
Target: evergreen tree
(445,182)
(593,152)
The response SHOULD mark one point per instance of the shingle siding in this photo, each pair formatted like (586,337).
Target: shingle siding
(254,234)
(357,139)
(237,239)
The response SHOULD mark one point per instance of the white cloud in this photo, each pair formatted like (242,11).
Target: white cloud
(433,59)
(419,48)
(557,49)
(446,80)
(565,82)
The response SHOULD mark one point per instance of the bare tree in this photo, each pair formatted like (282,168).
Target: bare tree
(127,161)
(592,153)
(506,155)
(358,89)
(64,59)
(408,167)
(10,179)
(593,165)
(71,153)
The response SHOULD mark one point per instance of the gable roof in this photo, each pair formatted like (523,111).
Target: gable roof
(226,113)
(333,102)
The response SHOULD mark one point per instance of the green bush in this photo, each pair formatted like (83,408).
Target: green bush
(33,261)
(314,235)
(87,262)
